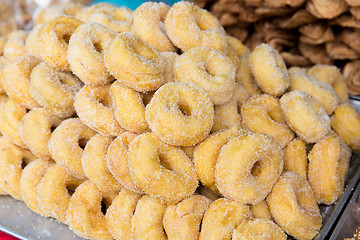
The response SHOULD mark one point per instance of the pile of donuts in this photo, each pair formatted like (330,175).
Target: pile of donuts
(154,124)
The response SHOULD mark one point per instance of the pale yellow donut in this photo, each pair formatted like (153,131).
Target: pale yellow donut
(262,113)
(269,70)
(248,167)
(35,131)
(15,44)
(66,145)
(93,162)
(132,62)
(85,53)
(32,41)
(117,161)
(57,10)
(94,106)
(54,90)
(328,166)
(129,109)
(84,215)
(170,59)
(54,192)
(180,114)
(149,25)
(182,221)
(238,46)
(189,26)
(261,210)
(120,214)
(293,206)
(245,77)
(295,157)
(161,170)
(210,70)
(346,122)
(322,91)
(221,218)
(305,115)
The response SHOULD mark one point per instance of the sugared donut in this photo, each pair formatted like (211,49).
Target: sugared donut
(261,210)
(119,215)
(262,113)
(269,70)
(189,26)
(132,62)
(86,53)
(238,46)
(32,41)
(331,75)
(293,206)
(305,115)
(93,162)
(259,229)
(149,25)
(84,215)
(206,155)
(328,165)
(248,167)
(66,145)
(94,106)
(15,44)
(13,159)
(245,77)
(54,192)
(295,157)
(35,131)
(221,218)
(54,39)
(11,113)
(322,91)
(16,79)
(117,161)
(210,70)
(147,222)
(161,170)
(180,114)
(170,59)
(129,108)
(182,221)
(54,90)
(30,178)
(228,115)
(48,13)
(346,122)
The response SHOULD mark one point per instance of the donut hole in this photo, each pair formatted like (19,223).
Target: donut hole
(68,79)
(280,62)
(184,108)
(206,21)
(164,161)
(98,47)
(142,50)
(162,26)
(106,101)
(66,38)
(256,169)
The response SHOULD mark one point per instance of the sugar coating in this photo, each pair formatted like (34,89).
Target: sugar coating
(245,77)
(261,210)
(295,157)
(15,45)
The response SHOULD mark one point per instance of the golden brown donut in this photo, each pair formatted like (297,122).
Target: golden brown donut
(119,215)
(262,113)
(149,25)
(295,157)
(261,210)
(346,122)
(182,221)
(15,44)
(132,62)
(86,53)
(293,206)
(221,218)
(129,108)
(13,159)
(30,179)
(16,79)
(210,70)
(94,106)
(94,165)
(248,167)
(117,161)
(66,145)
(238,46)
(84,215)
(180,114)
(35,131)
(328,166)
(245,76)
(54,90)
(32,41)
(189,26)
(161,170)
(54,39)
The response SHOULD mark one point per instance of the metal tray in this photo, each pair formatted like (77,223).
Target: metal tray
(18,220)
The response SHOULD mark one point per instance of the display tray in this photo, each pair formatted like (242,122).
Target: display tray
(18,220)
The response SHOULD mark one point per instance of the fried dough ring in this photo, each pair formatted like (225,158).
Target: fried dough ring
(245,76)
(295,157)
(161,170)
(180,114)
(15,44)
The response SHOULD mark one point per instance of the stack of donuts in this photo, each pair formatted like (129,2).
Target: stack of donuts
(154,124)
